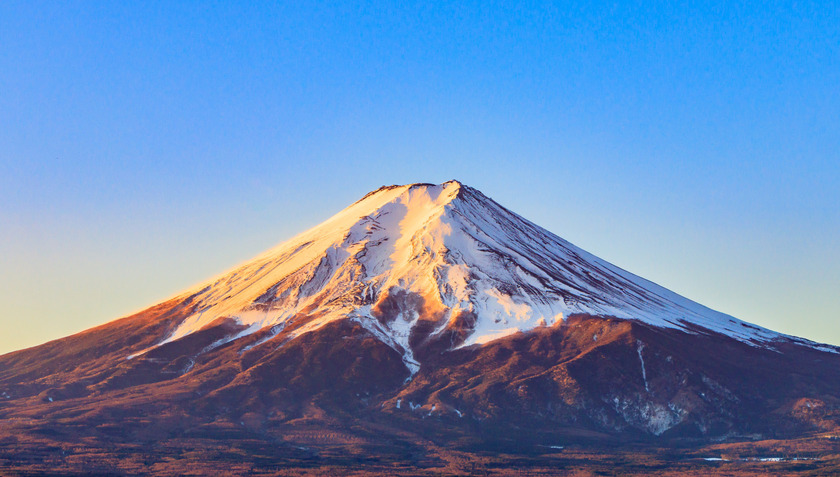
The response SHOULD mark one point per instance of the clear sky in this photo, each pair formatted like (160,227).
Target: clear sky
(147,146)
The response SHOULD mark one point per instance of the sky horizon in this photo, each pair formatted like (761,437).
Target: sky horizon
(146,148)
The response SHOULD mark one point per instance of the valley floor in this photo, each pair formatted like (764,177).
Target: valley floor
(331,452)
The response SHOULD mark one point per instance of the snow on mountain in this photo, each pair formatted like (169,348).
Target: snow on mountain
(443,254)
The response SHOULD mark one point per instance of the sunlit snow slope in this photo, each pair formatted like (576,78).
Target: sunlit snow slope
(445,255)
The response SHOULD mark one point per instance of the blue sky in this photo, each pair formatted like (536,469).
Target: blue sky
(146,147)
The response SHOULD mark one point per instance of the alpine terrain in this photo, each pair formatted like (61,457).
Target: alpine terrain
(423,329)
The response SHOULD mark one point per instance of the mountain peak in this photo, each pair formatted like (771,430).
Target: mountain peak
(451,186)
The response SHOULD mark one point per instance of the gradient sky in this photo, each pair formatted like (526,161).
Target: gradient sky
(147,146)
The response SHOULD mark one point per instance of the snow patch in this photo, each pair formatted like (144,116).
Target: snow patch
(490,336)
(653,417)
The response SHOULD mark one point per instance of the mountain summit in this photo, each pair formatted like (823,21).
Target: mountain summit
(419,263)
(426,326)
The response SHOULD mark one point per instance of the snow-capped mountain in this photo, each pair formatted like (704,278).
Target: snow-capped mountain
(422,317)
(441,256)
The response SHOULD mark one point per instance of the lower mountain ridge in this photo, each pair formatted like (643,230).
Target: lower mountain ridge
(404,346)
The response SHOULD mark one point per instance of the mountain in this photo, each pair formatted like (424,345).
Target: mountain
(423,262)
(419,318)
